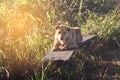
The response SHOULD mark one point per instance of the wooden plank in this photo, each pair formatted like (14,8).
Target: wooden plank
(88,37)
(59,55)
(66,55)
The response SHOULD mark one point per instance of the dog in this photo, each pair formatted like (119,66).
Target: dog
(66,38)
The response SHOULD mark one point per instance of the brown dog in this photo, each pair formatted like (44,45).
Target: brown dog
(66,38)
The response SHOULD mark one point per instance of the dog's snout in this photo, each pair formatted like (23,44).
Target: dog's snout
(61,38)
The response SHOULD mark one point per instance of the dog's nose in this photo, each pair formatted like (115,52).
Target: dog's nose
(61,38)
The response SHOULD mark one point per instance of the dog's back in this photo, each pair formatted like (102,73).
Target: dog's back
(77,34)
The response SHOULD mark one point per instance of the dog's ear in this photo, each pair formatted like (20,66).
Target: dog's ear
(56,27)
(68,28)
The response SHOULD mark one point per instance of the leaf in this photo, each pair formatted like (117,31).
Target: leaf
(23,2)
(2,54)
(109,31)
(100,18)
(88,21)
(92,57)
(39,20)
(81,4)
(31,16)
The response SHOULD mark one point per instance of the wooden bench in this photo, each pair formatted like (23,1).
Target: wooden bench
(66,55)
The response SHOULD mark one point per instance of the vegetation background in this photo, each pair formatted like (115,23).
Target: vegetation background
(26,35)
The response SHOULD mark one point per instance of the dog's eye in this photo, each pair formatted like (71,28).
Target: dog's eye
(64,33)
(59,32)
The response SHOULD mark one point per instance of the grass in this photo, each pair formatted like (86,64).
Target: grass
(26,35)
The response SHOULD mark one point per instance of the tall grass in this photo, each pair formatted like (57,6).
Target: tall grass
(26,33)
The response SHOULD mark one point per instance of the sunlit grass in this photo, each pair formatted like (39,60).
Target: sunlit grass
(24,34)
(27,29)
(102,25)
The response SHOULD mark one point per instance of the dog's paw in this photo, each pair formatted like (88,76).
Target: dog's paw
(55,49)
(63,48)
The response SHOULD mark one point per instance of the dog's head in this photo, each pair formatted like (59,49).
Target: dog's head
(62,34)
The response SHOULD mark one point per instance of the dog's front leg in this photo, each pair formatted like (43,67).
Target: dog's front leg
(55,46)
